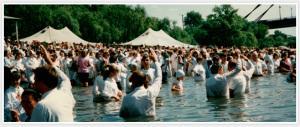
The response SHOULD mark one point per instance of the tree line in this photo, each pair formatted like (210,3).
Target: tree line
(122,23)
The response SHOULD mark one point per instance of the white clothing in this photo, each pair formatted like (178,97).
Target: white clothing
(270,63)
(57,104)
(199,73)
(259,67)
(178,84)
(141,101)
(217,85)
(8,62)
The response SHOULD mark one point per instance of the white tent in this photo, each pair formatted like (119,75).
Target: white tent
(50,34)
(154,38)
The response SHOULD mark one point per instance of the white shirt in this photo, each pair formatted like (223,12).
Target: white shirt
(270,63)
(149,72)
(217,85)
(141,101)
(259,67)
(57,104)
(199,72)
(178,84)
(98,85)
(19,64)
(110,89)
(10,97)
(8,62)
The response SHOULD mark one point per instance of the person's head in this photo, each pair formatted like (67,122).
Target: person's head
(111,71)
(113,59)
(145,61)
(276,56)
(285,55)
(16,78)
(133,67)
(231,65)
(216,59)
(199,59)
(138,79)
(29,100)
(46,78)
(180,75)
(216,69)
(62,54)
(84,53)
(254,56)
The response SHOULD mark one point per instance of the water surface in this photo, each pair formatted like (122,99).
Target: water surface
(272,99)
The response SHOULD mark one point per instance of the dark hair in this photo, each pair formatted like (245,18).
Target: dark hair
(113,59)
(215,68)
(48,75)
(216,59)
(15,75)
(36,96)
(108,69)
(140,79)
(232,64)
(145,56)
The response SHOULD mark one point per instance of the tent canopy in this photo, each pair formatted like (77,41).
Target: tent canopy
(50,34)
(154,38)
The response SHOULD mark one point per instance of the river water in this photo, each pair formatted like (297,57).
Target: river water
(272,99)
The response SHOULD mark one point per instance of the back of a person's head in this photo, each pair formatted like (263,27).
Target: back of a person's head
(48,75)
(139,79)
(215,68)
(31,92)
(232,64)
(113,59)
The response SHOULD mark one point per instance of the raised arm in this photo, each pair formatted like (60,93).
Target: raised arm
(250,71)
(155,87)
(64,81)
(233,72)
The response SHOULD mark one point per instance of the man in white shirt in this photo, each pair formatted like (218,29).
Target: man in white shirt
(141,101)
(217,84)
(269,61)
(240,82)
(57,102)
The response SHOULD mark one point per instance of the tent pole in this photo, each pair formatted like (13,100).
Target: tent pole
(17,32)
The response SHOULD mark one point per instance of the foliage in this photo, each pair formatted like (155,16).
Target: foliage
(122,23)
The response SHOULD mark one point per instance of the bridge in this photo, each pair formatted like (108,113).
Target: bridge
(274,23)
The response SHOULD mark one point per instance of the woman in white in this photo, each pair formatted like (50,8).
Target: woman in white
(260,66)
(106,89)
(31,63)
(141,101)
(145,66)
(198,71)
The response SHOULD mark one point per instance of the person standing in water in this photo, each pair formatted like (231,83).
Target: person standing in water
(57,101)
(141,101)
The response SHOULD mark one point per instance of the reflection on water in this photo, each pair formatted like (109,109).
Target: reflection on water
(272,99)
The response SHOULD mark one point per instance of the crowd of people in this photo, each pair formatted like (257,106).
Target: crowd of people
(39,76)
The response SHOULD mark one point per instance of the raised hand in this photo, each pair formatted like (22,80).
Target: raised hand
(46,55)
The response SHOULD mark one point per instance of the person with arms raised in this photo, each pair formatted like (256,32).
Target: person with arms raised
(57,101)
(141,101)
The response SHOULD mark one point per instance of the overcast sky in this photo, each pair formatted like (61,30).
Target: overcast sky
(175,11)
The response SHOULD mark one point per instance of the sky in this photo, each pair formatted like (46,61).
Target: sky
(174,12)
